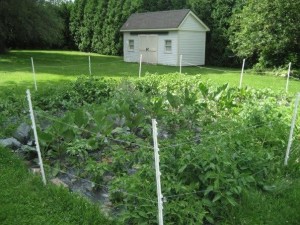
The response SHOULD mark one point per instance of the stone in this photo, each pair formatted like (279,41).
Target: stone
(31,143)
(27,152)
(22,133)
(10,143)
(36,170)
(26,148)
(58,182)
(107,178)
(162,134)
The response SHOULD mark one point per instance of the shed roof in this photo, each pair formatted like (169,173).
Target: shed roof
(161,20)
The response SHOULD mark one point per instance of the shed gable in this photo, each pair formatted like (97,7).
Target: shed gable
(191,23)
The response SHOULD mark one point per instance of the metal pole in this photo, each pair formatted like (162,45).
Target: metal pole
(140,69)
(36,137)
(288,78)
(242,73)
(292,130)
(33,73)
(158,185)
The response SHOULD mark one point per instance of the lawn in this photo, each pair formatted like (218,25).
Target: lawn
(58,66)
(25,200)
(275,208)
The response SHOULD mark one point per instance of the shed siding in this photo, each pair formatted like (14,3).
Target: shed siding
(131,56)
(191,24)
(192,47)
(165,58)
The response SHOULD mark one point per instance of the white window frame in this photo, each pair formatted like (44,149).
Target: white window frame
(168,46)
(131,45)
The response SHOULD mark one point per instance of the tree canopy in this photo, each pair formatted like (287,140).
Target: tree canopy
(29,23)
(267,31)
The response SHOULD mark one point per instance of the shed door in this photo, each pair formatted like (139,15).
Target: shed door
(148,48)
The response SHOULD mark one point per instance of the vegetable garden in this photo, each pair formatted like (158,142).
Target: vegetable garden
(215,142)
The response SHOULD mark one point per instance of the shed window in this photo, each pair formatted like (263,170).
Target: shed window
(131,45)
(168,46)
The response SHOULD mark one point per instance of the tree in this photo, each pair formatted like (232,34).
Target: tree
(76,20)
(29,23)
(88,25)
(65,8)
(267,32)
(101,12)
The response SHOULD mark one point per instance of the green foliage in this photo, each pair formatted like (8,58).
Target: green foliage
(85,90)
(32,24)
(267,32)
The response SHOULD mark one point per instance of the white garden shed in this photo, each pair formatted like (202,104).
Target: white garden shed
(161,37)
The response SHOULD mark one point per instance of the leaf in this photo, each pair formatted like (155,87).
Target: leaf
(46,137)
(217,197)
(69,135)
(182,169)
(208,189)
(231,201)
(218,96)
(209,219)
(269,187)
(219,92)
(173,100)
(80,118)
(203,89)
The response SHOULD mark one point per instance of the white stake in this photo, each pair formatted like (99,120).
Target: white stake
(242,73)
(33,73)
(292,130)
(158,185)
(288,78)
(180,64)
(36,136)
(90,66)
(140,69)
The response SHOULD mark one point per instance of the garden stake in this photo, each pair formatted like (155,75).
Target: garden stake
(242,73)
(36,137)
(180,64)
(158,185)
(292,130)
(33,73)
(288,78)
(90,66)
(140,69)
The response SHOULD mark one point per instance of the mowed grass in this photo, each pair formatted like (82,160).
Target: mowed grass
(25,200)
(59,66)
(271,208)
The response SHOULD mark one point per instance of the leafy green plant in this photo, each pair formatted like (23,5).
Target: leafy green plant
(215,141)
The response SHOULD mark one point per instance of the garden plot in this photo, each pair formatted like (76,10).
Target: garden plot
(215,142)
